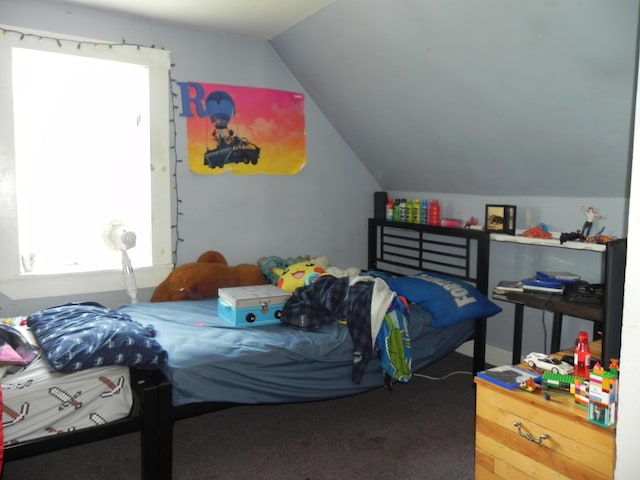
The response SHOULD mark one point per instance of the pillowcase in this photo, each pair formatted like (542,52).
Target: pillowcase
(447,299)
(78,336)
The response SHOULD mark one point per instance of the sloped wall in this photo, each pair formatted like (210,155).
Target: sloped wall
(498,97)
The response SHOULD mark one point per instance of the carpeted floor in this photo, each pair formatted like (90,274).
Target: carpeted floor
(422,430)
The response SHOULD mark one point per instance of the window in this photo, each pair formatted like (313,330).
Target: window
(86,133)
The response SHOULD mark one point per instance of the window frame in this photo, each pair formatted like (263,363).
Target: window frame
(13,282)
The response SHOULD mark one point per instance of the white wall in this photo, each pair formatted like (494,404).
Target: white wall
(628,433)
(322,210)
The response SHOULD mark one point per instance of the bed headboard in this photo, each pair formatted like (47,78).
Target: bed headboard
(407,248)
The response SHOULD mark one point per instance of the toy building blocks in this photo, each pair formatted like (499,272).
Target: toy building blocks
(529,385)
(603,389)
(557,384)
(566,385)
(558,381)
(580,390)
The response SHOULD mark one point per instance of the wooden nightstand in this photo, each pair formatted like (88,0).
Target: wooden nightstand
(521,435)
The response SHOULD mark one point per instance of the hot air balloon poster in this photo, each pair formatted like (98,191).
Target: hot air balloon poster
(243,130)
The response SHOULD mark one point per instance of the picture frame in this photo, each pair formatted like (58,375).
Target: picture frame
(500,219)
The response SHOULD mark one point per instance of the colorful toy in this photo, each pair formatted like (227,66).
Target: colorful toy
(298,275)
(539,231)
(590,214)
(203,278)
(580,390)
(566,385)
(603,390)
(472,222)
(273,263)
(529,385)
(558,383)
(545,362)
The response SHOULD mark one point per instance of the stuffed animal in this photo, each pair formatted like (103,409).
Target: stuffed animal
(273,263)
(203,278)
(298,275)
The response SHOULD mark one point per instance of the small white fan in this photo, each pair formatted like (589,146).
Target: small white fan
(119,238)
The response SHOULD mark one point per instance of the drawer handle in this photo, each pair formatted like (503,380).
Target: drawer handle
(528,436)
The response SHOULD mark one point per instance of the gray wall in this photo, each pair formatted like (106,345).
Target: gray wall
(499,101)
(321,211)
(515,261)
(491,97)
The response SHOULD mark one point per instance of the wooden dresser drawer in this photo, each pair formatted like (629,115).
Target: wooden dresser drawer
(522,435)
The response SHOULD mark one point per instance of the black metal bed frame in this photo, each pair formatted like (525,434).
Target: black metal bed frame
(458,252)
(150,395)
(400,248)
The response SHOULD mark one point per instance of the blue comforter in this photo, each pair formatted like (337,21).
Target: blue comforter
(209,360)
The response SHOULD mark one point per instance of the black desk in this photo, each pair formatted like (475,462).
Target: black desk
(553,303)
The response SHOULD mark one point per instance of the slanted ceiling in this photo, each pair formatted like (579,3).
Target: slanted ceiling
(491,97)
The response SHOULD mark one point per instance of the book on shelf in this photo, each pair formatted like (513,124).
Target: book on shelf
(509,286)
(509,376)
(537,285)
(565,277)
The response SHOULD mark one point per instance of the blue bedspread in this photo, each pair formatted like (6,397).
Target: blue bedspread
(208,360)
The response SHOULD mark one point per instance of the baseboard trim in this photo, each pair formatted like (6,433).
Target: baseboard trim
(493,355)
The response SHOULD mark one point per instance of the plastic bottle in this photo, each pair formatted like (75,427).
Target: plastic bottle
(408,207)
(415,212)
(396,210)
(389,210)
(424,205)
(434,213)
(582,356)
(402,210)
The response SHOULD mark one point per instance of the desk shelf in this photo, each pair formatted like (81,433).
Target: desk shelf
(609,316)
(553,303)
(551,242)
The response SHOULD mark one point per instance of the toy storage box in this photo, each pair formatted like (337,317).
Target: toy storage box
(252,306)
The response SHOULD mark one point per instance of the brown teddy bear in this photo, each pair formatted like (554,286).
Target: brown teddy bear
(203,278)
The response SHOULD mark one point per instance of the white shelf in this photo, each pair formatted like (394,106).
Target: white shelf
(551,242)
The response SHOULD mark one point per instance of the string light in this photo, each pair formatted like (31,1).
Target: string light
(78,44)
(176,161)
(61,42)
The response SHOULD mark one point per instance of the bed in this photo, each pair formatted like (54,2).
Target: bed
(460,253)
(38,401)
(45,409)
(212,365)
(141,417)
